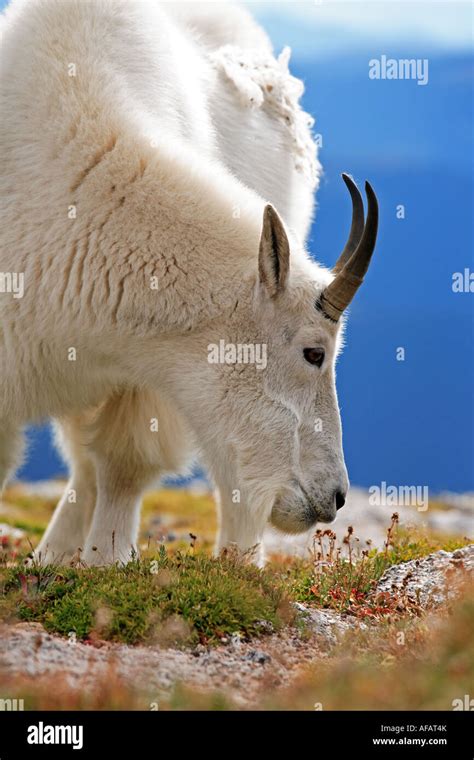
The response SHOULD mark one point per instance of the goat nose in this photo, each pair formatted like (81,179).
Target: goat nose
(340,499)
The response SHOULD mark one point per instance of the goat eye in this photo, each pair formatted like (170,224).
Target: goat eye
(314,355)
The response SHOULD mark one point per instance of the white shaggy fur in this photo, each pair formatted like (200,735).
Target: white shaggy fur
(139,143)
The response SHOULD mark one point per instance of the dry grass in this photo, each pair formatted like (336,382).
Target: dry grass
(410,665)
(344,578)
(57,693)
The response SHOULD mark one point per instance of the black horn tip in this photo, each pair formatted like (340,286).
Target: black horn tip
(370,190)
(373,202)
(354,192)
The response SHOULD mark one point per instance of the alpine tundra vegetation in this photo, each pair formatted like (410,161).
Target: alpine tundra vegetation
(157,188)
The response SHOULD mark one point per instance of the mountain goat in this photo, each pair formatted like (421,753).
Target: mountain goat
(157,186)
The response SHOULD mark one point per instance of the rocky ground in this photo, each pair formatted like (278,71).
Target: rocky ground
(244,671)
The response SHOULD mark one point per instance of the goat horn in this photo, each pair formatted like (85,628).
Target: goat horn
(357,226)
(349,275)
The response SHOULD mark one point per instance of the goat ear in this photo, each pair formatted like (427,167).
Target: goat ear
(274,253)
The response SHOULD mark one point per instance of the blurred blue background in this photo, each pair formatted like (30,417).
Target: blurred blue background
(411,421)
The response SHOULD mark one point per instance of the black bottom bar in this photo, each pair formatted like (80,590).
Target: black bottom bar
(118,734)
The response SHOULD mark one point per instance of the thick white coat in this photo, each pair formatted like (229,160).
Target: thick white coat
(139,144)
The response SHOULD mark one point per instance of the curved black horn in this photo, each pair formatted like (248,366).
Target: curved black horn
(340,292)
(357,225)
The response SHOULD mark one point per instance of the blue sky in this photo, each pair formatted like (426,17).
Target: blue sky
(317,29)
(322,25)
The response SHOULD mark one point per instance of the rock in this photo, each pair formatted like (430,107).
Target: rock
(265,626)
(431,580)
(326,624)
(256,655)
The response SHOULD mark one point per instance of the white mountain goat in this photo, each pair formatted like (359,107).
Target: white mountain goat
(141,145)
